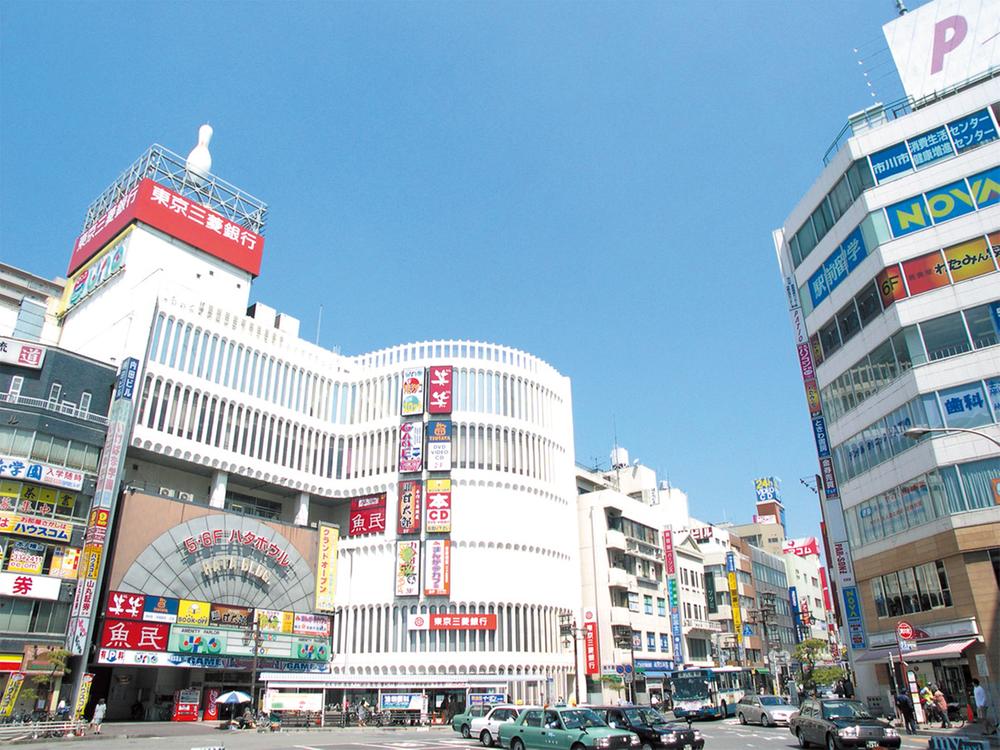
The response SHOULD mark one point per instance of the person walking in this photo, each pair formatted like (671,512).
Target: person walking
(98,718)
(905,707)
(942,706)
(982,708)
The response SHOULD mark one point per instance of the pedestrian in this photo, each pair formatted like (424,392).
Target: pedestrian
(942,706)
(848,689)
(905,707)
(98,718)
(654,700)
(982,708)
(363,714)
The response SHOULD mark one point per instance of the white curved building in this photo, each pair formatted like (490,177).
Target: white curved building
(235,414)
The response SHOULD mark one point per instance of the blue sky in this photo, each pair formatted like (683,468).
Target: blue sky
(593,182)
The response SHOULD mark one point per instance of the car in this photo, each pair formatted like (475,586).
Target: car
(838,724)
(563,728)
(653,728)
(486,727)
(766,710)
(462,723)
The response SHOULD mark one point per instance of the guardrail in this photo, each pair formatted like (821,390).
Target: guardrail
(38,729)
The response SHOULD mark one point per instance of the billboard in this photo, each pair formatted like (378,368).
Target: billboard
(408,568)
(326,567)
(437,567)
(95,272)
(25,586)
(439,445)
(944,43)
(438,506)
(801,547)
(766,489)
(21,353)
(451,622)
(181,218)
(411,446)
(734,596)
(439,384)
(410,500)
(367,515)
(412,392)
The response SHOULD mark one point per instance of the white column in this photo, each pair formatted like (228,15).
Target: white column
(218,497)
(302,510)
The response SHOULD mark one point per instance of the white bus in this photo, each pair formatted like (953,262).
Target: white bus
(709,693)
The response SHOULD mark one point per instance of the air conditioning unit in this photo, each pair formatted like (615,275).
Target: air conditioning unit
(185,496)
(168,492)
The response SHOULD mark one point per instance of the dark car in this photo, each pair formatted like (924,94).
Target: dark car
(838,724)
(652,727)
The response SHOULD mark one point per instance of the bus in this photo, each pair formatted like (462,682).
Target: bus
(710,693)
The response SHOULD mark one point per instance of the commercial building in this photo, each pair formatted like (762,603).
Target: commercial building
(330,513)
(890,266)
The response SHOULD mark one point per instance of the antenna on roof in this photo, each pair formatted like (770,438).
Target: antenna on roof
(319,323)
(901,8)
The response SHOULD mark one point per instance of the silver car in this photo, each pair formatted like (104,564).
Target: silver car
(767,710)
(487,728)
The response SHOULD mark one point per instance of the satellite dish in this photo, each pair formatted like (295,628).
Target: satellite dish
(199,161)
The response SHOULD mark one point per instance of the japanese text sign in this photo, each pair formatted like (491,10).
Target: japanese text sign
(326,567)
(411,493)
(438,503)
(440,389)
(24,586)
(12,467)
(451,622)
(437,567)
(411,446)
(39,528)
(668,553)
(438,445)
(367,515)
(21,353)
(407,568)
(135,635)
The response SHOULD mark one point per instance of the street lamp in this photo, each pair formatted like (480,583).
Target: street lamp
(626,639)
(569,630)
(914,433)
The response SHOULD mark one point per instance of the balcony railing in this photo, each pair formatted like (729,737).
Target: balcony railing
(65,408)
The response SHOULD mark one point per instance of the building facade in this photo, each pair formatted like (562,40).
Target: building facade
(890,264)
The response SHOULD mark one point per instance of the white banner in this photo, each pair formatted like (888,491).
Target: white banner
(24,586)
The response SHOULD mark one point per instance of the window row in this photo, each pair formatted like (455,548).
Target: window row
(39,558)
(38,500)
(633,529)
(968,405)
(189,348)
(39,446)
(636,566)
(230,425)
(942,492)
(651,641)
(848,189)
(770,575)
(911,590)
(382,629)
(945,336)
(28,617)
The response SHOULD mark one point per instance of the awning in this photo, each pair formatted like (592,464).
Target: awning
(926,652)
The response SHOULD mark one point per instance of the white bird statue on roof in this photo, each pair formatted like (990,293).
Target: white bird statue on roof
(199,161)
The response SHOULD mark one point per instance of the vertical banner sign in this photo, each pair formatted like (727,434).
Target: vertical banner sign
(734,597)
(675,620)
(668,552)
(438,445)
(439,390)
(367,515)
(710,601)
(326,567)
(92,559)
(10,693)
(84,696)
(411,446)
(793,600)
(855,621)
(438,506)
(408,568)
(591,647)
(412,397)
(437,567)
(410,500)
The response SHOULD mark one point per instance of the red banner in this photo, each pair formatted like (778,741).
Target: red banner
(367,515)
(125,605)
(801,547)
(439,384)
(590,648)
(135,636)
(182,218)
(410,501)
(668,552)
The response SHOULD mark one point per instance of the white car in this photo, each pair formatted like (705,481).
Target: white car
(768,710)
(487,728)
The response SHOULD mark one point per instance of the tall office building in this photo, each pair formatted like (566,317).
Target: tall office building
(890,267)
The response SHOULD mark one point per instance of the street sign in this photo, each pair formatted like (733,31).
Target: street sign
(747,630)
(904,630)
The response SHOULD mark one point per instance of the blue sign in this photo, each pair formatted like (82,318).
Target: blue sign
(793,600)
(995,316)
(125,385)
(649,666)
(890,161)
(855,620)
(941,204)
(819,432)
(730,562)
(676,631)
(160,608)
(986,187)
(747,630)
(930,146)
(837,267)
(972,130)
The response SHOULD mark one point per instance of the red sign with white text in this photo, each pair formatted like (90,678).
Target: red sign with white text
(137,636)
(367,515)
(591,649)
(439,390)
(801,547)
(668,552)
(125,605)
(182,218)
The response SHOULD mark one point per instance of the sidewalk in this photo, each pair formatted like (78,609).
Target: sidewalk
(971,731)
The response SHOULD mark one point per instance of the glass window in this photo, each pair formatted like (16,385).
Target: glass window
(965,406)
(807,238)
(883,365)
(953,489)
(977,479)
(796,252)
(878,594)
(633,601)
(840,197)
(908,591)
(40,449)
(651,641)
(930,587)
(847,320)
(869,305)
(929,411)
(829,338)
(908,347)
(981,326)
(648,605)
(893,598)
(945,336)
(661,607)
(943,579)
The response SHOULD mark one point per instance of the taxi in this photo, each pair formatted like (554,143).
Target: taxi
(563,728)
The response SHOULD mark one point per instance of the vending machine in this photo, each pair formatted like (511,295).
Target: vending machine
(186,704)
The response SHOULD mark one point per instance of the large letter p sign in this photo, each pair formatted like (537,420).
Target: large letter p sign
(943,43)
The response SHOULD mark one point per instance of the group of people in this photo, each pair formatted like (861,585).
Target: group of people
(935,704)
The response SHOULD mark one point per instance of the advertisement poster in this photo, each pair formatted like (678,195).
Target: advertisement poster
(437,567)
(411,492)
(412,398)
(367,515)
(10,693)
(26,557)
(65,562)
(734,596)
(160,609)
(84,696)
(326,567)
(39,528)
(190,612)
(438,506)
(668,553)
(274,620)
(438,445)
(307,624)
(230,616)
(411,446)
(439,390)
(407,568)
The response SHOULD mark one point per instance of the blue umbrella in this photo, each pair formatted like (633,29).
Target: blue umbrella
(233,696)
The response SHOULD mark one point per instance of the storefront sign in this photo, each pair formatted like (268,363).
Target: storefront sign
(125,605)
(669,560)
(702,534)
(407,568)
(10,693)
(13,467)
(274,620)
(367,515)
(734,596)
(190,612)
(109,262)
(277,701)
(801,547)
(452,622)
(21,353)
(842,564)
(230,615)
(437,567)
(438,506)
(438,445)
(184,639)
(160,609)
(306,624)
(224,540)
(411,446)
(412,397)
(591,647)
(855,620)
(710,600)
(411,493)
(11,662)
(135,635)
(65,562)
(768,518)
(439,384)
(676,629)
(26,557)
(401,701)
(944,203)
(24,586)
(326,566)
(123,657)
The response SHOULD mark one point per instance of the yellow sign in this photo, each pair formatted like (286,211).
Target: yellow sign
(84,696)
(65,562)
(193,613)
(11,692)
(326,567)
(40,528)
(275,621)
(734,601)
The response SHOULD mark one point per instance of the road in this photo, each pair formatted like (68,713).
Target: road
(719,735)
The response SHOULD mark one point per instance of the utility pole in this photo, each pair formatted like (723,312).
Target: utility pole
(569,630)
(255,645)
(766,615)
